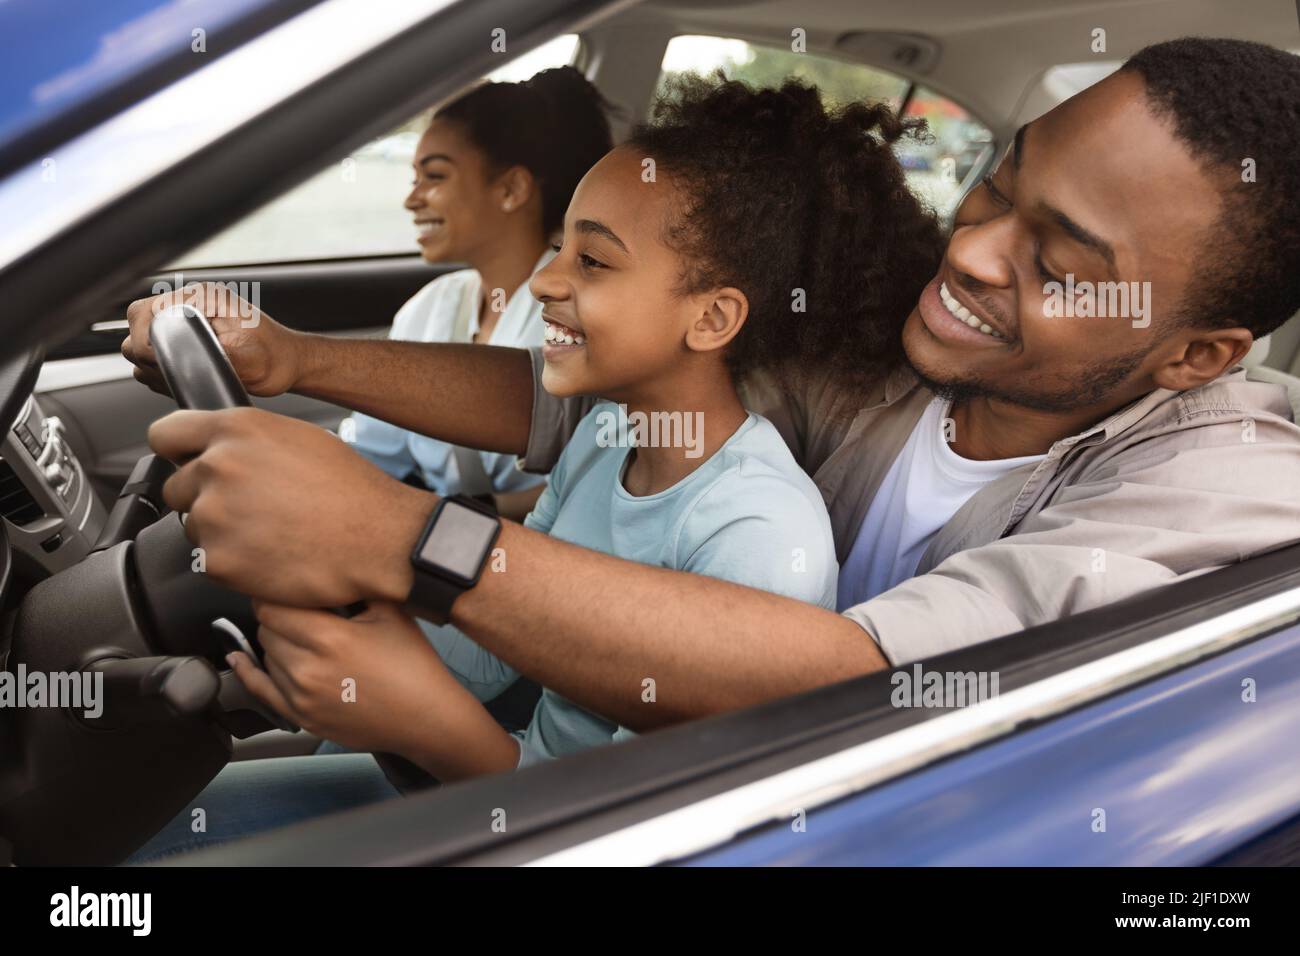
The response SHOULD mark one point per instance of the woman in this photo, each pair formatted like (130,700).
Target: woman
(493,175)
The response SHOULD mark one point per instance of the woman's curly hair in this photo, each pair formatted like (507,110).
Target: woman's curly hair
(782,194)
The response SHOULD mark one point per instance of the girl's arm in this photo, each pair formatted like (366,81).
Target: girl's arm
(374,683)
(479,396)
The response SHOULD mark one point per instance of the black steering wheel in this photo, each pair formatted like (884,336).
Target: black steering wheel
(192,361)
(135,619)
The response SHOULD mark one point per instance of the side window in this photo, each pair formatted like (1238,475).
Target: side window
(935,170)
(353,208)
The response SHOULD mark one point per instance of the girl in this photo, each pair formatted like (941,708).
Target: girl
(493,174)
(740,233)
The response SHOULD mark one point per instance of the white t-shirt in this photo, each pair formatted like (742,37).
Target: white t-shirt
(926,485)
(434,314)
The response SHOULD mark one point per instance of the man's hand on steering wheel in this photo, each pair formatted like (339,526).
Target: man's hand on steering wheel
(244,472)
(267,356)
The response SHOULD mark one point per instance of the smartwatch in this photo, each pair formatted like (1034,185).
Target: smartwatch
(451,554)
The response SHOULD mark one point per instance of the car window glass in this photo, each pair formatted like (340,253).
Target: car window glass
(936,168)
(354,207)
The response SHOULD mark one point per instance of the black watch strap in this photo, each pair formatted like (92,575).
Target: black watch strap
(433,596)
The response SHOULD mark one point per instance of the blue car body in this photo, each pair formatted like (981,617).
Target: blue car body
(1186,769)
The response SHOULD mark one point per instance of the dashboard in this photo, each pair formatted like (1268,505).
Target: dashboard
(53,516)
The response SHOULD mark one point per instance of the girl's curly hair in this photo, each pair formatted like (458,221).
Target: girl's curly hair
(781,194)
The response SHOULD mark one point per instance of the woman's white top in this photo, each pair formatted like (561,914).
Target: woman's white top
(447,310)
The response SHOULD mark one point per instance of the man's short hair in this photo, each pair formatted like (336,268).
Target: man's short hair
(1231,101)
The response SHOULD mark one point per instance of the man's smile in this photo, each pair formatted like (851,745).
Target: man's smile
(950,321)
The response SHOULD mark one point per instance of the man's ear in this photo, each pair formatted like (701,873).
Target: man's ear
(517,186)
(1206,356)
(723,314)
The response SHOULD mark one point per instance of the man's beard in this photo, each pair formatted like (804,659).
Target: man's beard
(1094,384)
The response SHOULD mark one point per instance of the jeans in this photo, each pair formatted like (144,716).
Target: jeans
(252,796)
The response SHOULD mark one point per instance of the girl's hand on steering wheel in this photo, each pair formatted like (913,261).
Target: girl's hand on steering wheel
(267,356)
(373,682)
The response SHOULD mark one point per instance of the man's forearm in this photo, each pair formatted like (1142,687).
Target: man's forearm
(596,628)
(479,396)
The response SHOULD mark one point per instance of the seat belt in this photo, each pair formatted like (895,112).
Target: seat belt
(474,479)
(405,776)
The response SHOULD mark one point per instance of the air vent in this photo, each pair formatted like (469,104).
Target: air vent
(16,502)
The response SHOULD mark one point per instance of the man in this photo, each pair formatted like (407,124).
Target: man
(1089,452)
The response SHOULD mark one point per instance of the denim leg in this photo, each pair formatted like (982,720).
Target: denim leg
(251,796)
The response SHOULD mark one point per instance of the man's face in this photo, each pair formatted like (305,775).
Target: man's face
(1098,190)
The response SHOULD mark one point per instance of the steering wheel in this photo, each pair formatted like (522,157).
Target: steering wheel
(17,380)
(192,361)
(136,621)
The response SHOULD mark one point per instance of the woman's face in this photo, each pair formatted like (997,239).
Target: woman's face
(457,205)
(615,320)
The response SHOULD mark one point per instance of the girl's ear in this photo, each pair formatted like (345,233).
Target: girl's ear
(516,186)
(723,316)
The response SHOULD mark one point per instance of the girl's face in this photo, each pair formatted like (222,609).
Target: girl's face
(616,325)
(459,208)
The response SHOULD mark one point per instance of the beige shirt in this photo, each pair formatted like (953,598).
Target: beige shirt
(1175,484)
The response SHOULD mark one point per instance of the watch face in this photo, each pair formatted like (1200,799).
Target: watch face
(459,541)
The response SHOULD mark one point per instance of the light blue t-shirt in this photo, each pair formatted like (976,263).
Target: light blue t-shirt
(749,514)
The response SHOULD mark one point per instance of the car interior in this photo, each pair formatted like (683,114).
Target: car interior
(78,441)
